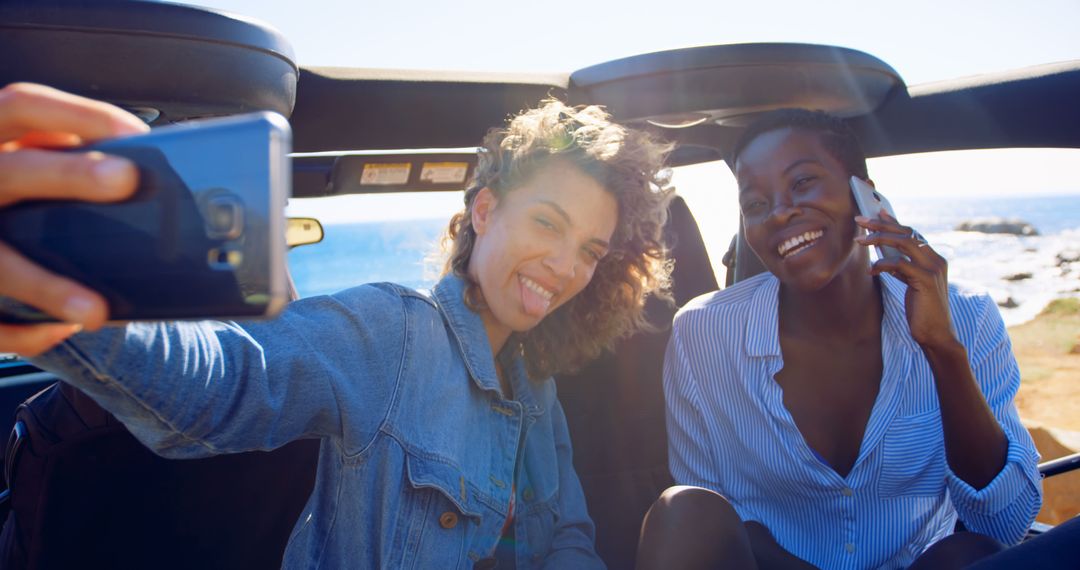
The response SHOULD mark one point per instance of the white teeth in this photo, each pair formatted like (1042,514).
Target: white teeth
(536,288)
(789,245)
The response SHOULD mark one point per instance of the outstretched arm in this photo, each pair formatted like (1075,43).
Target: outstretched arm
(198,388)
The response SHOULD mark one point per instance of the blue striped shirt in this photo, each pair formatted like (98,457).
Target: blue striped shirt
(729,431)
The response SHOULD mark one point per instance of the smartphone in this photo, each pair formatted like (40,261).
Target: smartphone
(202,237)
(871,203)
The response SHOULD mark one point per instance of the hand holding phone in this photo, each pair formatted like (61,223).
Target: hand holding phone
(202,237)
(33,118)
(927,304)
(871,203)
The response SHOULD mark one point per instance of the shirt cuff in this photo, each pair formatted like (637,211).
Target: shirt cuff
(1015,481)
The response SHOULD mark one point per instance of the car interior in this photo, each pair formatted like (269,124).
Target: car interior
(102,500)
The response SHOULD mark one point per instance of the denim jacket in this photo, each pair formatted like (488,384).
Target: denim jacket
(419,446)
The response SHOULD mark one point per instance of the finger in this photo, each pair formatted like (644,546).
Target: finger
(881,225)
(58,296)
(918,250)
(910,273)
(27,107)
(41,174)
(40,139)
(886,216)
(32,340)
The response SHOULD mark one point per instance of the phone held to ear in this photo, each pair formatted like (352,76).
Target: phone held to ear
(871,203)
(203,236)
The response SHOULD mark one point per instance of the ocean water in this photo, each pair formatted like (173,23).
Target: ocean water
(351,254)
(985,261)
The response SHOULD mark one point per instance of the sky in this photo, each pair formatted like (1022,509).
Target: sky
(924,41)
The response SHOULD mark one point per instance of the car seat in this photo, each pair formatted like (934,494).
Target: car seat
(615,407)
(85,493)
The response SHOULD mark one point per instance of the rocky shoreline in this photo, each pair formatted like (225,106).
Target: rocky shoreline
(1048,351)
(1063,263)
(1011,226)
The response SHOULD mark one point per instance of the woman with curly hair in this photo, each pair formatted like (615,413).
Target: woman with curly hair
(585,145)
(442,442)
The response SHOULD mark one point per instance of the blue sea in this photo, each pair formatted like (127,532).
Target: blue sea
(351,254)
(985,261)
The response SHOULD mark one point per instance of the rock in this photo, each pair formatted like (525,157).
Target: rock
(1018,276)
(999,226)
(1008,303)
(1068,256)
(1061,493)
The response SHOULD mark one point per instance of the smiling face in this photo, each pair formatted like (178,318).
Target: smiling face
(798,210)
(538,245)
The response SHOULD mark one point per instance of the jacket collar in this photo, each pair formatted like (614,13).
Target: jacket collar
(468,329)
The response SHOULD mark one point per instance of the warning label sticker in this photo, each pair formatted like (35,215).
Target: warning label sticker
(385,174)
(444,172)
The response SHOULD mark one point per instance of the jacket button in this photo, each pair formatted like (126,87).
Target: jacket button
(528,494)
(448,520)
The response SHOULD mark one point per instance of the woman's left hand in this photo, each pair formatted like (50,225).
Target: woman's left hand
(926,275)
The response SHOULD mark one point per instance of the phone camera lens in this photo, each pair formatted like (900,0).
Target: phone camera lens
(224,217)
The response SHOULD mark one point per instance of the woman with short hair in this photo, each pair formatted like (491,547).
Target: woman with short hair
(831,412)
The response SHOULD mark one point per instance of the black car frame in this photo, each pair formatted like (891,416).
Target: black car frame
(120,506)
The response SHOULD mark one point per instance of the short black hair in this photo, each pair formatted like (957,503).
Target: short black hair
(836,136)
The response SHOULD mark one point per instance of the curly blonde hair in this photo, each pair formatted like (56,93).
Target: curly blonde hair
(628,163)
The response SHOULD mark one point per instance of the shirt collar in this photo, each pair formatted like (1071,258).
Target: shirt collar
(894,326)
(763,327)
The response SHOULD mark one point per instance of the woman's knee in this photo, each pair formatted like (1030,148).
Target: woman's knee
(691,527)
(694,505)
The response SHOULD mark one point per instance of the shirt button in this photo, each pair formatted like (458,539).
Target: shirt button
(847,492)
(850,547)
(448,520)
(527,494)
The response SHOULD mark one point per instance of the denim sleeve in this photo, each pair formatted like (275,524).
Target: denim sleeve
(1005,508)
(326,367)
(574,543)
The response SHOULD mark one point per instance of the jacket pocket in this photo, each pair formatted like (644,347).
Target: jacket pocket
(442,516)
(913,457)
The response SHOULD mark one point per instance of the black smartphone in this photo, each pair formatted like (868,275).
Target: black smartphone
(203,236)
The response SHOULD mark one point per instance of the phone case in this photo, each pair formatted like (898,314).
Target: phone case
(203,236)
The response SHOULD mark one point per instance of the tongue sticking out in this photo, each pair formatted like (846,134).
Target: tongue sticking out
(535,304)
